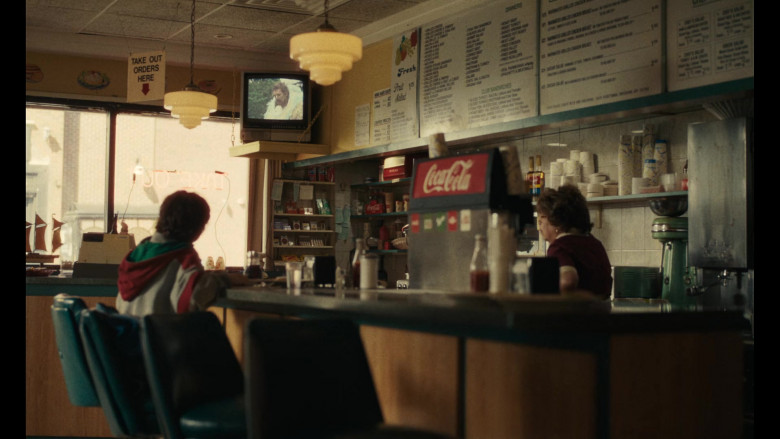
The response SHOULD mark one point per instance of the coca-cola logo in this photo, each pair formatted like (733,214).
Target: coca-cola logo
(456,178)
(451,176)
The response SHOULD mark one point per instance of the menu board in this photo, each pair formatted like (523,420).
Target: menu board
(403,110)
(479,68)
(709,42)
(597,52)
(382,117)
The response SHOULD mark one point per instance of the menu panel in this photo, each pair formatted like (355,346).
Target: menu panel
(479,68)
(709,42)
(598,51)
(403,110)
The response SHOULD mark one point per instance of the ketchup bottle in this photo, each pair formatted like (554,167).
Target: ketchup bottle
(479,270)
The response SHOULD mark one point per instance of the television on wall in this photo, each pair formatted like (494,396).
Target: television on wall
(275,107)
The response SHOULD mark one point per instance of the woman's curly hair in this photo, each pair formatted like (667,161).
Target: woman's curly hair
(565,208)
(183,216)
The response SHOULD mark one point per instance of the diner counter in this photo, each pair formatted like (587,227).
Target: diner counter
(516,366)
(469,314)
(474,366)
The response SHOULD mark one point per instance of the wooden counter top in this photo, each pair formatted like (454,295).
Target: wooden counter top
(468,314)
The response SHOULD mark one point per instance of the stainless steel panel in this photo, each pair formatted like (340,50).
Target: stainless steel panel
(720,208)
(440,259)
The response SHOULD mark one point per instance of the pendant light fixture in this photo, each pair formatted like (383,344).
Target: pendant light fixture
(326,53)
(191,105)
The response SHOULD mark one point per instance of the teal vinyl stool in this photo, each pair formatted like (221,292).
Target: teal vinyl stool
(196,381)
(65,315)
(113,351)
(310,379)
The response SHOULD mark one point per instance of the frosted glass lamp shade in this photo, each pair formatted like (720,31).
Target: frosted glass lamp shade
(326,54)
(189,106)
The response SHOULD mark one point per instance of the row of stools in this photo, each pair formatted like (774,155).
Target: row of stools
(177,376)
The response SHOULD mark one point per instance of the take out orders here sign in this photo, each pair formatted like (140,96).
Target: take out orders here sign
(146,76)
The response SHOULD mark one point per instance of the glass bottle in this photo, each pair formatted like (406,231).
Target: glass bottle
(478,269)
(538,177)
(529,176)
(684,181)
(360,250)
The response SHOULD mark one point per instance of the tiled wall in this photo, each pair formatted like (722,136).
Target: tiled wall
(624,229)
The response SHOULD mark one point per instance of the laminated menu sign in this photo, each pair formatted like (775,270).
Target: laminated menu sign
(382,117)
(598,52)
(709,42)
(479,68)
(403,109)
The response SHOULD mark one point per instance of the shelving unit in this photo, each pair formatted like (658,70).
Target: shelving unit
(296,233)
(600,202)
(392,257)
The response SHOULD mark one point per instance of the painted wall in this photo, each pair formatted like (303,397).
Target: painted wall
(59,76)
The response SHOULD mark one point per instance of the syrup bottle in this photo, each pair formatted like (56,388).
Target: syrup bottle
(539,177)
(529,176)
(479,271)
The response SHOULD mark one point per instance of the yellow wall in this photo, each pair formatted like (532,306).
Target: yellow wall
(61,72)
(335,126)
(357,87)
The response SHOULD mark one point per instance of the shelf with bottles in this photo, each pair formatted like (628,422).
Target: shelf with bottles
(394,182)
(380,199)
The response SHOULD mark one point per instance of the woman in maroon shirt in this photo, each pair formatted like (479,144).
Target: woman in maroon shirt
(564,222)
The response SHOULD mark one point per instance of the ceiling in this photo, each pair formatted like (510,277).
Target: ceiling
(232,34)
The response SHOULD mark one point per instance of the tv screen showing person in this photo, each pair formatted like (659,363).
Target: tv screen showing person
(276,99)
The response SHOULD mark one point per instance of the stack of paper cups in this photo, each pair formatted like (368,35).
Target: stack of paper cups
(586,162)
(568,179)
(637,183)
(636,148)
(625,165)
(594,190)
(597,178)
(610,188)
(574,154)
(556,171)
(648,143)
(650,172)
(571,168)
(660,156)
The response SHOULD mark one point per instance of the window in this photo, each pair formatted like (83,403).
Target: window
(70,161)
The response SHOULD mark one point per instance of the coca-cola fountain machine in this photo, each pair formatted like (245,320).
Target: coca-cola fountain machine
(452,199)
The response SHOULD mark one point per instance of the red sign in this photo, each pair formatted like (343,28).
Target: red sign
(458,175)
(452,220)
(414,221)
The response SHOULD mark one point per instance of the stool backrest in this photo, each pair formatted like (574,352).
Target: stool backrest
(307,377)
(65,315)
(189,361)
(113,350)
